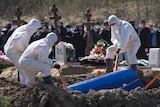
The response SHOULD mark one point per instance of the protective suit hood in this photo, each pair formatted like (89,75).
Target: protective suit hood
(33,25)
(50,39)
(114,19)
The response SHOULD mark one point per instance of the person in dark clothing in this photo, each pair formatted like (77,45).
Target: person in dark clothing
(145,37)
(79,42)
(4,33)
(62,31)
(132,22)
(158,39)
(106,33)
(155,34)
(45,30)
(95,32)
(42,33)
(69,32)
(34,37)
(9,33)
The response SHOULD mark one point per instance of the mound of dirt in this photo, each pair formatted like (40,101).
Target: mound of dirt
(42,95)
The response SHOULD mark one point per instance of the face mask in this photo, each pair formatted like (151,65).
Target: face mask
(140,25)
(155,29)
(15,26)
(68,29)
(97,26)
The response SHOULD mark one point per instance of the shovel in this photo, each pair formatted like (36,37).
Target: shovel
(152,81)
(62,80)
(116,63)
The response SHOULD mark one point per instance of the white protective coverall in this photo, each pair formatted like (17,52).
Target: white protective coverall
(123,37)
(18,42)
(35,58)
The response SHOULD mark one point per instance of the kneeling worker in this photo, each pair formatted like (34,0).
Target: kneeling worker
(124,39)
(35,59)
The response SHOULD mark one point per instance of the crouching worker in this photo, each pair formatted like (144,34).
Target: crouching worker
(35,59)
(124,39)
(18,42)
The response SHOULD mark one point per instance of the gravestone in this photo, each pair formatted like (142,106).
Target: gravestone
(154,57)
(60,54)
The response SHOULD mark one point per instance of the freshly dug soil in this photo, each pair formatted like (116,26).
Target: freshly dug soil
(42,95)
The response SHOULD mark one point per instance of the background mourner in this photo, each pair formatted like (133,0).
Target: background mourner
(79,41)
(145,37)
(155,36)
(106,33)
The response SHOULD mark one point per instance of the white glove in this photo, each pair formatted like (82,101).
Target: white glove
(146,50)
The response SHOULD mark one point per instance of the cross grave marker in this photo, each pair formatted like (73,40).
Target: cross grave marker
(89,23)
(56,18)
(18,15)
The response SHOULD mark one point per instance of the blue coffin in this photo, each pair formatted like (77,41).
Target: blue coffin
(126,79)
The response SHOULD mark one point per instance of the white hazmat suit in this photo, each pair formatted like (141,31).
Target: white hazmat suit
(124,38)
(35,58)
(18,42)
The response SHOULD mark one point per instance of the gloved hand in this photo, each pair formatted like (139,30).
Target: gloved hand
(146,50)
(118,50)
(55,65)
(50,62)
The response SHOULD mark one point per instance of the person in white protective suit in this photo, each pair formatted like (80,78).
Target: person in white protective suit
(18,42)
(124,39)
(35,59)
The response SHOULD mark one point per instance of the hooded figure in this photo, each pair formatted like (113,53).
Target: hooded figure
(35,59)
(124,39)
(18,42)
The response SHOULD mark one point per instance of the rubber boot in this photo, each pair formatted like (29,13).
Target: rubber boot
(48,80)
(134,68)
(109,65)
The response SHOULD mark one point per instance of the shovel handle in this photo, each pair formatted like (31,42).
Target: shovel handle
(116,62)
(152,81)
(62,80)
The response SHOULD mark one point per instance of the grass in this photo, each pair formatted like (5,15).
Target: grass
(4,64)
(5,101)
